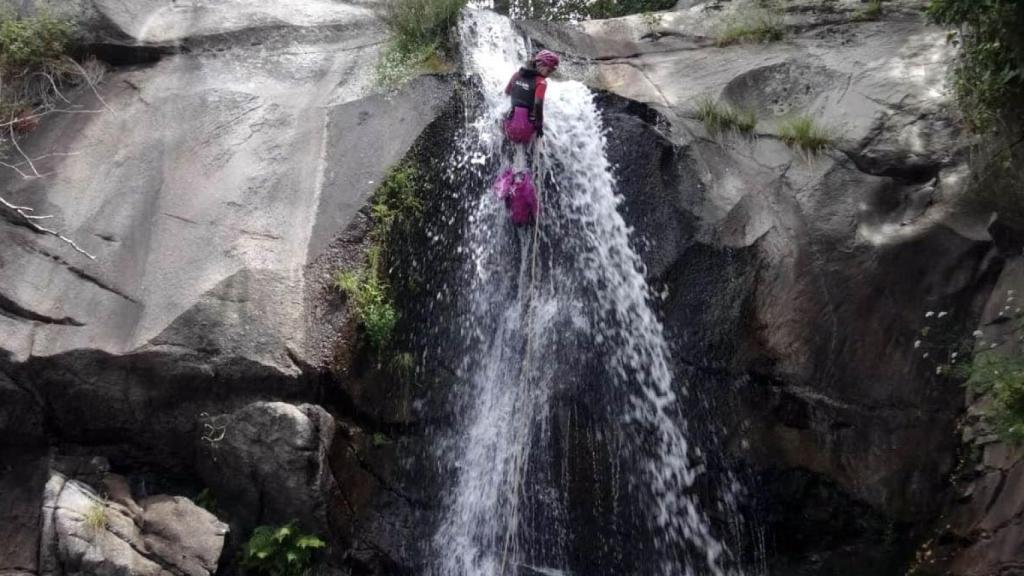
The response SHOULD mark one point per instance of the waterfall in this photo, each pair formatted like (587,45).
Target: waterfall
(571,453)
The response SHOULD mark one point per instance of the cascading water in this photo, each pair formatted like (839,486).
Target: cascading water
(571,452)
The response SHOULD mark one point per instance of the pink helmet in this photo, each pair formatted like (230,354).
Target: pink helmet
(546,58)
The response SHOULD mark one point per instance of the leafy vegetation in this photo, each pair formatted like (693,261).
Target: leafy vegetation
(280,551)
(396,202)
(370,300)
(33,42)
(34,65)
(988,79)
(990,362)
(721,117)
(395,207)
(758,24)
(421,37)
(803,132)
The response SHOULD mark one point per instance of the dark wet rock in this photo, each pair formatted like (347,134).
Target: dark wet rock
(267,464)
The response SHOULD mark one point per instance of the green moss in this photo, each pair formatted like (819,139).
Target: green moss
(721,117)
(803,132)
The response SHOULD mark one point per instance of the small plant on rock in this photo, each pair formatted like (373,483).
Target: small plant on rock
(396,202)
(370,300)
(763,24)
(651,22)
(280,551)
(96,517)
(805,133)
(721,117)
(873,11)
(990,362)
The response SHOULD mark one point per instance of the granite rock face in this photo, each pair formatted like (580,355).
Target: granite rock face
(84,533)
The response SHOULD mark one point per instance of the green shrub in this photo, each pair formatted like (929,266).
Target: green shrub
(280,551)
(720,117)
(755,25)
(370,300)
(419,23)
(33,42)
(1001,375)
(804,133)
(421,37)
(988,79)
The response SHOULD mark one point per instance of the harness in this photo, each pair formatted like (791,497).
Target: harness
(524,89)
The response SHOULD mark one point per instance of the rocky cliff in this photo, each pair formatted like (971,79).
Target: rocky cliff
(220,176)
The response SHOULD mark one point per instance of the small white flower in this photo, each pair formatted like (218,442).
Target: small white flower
(977,333)
(992,345)
(1010,299)
(943,314)
(917,344)
(929,314)
(938,369)
(925,355)
(953,355)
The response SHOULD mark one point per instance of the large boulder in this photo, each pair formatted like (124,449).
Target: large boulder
(84,533)
(267,463)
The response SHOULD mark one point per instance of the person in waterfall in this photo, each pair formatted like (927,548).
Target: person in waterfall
(524,122)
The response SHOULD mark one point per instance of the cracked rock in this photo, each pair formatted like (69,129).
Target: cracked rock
(85,534)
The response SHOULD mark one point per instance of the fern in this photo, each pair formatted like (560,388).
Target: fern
(280,551)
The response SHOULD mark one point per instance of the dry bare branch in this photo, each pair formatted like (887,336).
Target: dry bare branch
(88,80)
(32,219)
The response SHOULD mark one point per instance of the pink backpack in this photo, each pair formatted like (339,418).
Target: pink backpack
(516,189)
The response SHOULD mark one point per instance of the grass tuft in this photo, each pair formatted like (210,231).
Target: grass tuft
(96,517)
(722,118)
(804,133)
(873,11)
(759,25)
(421,32)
